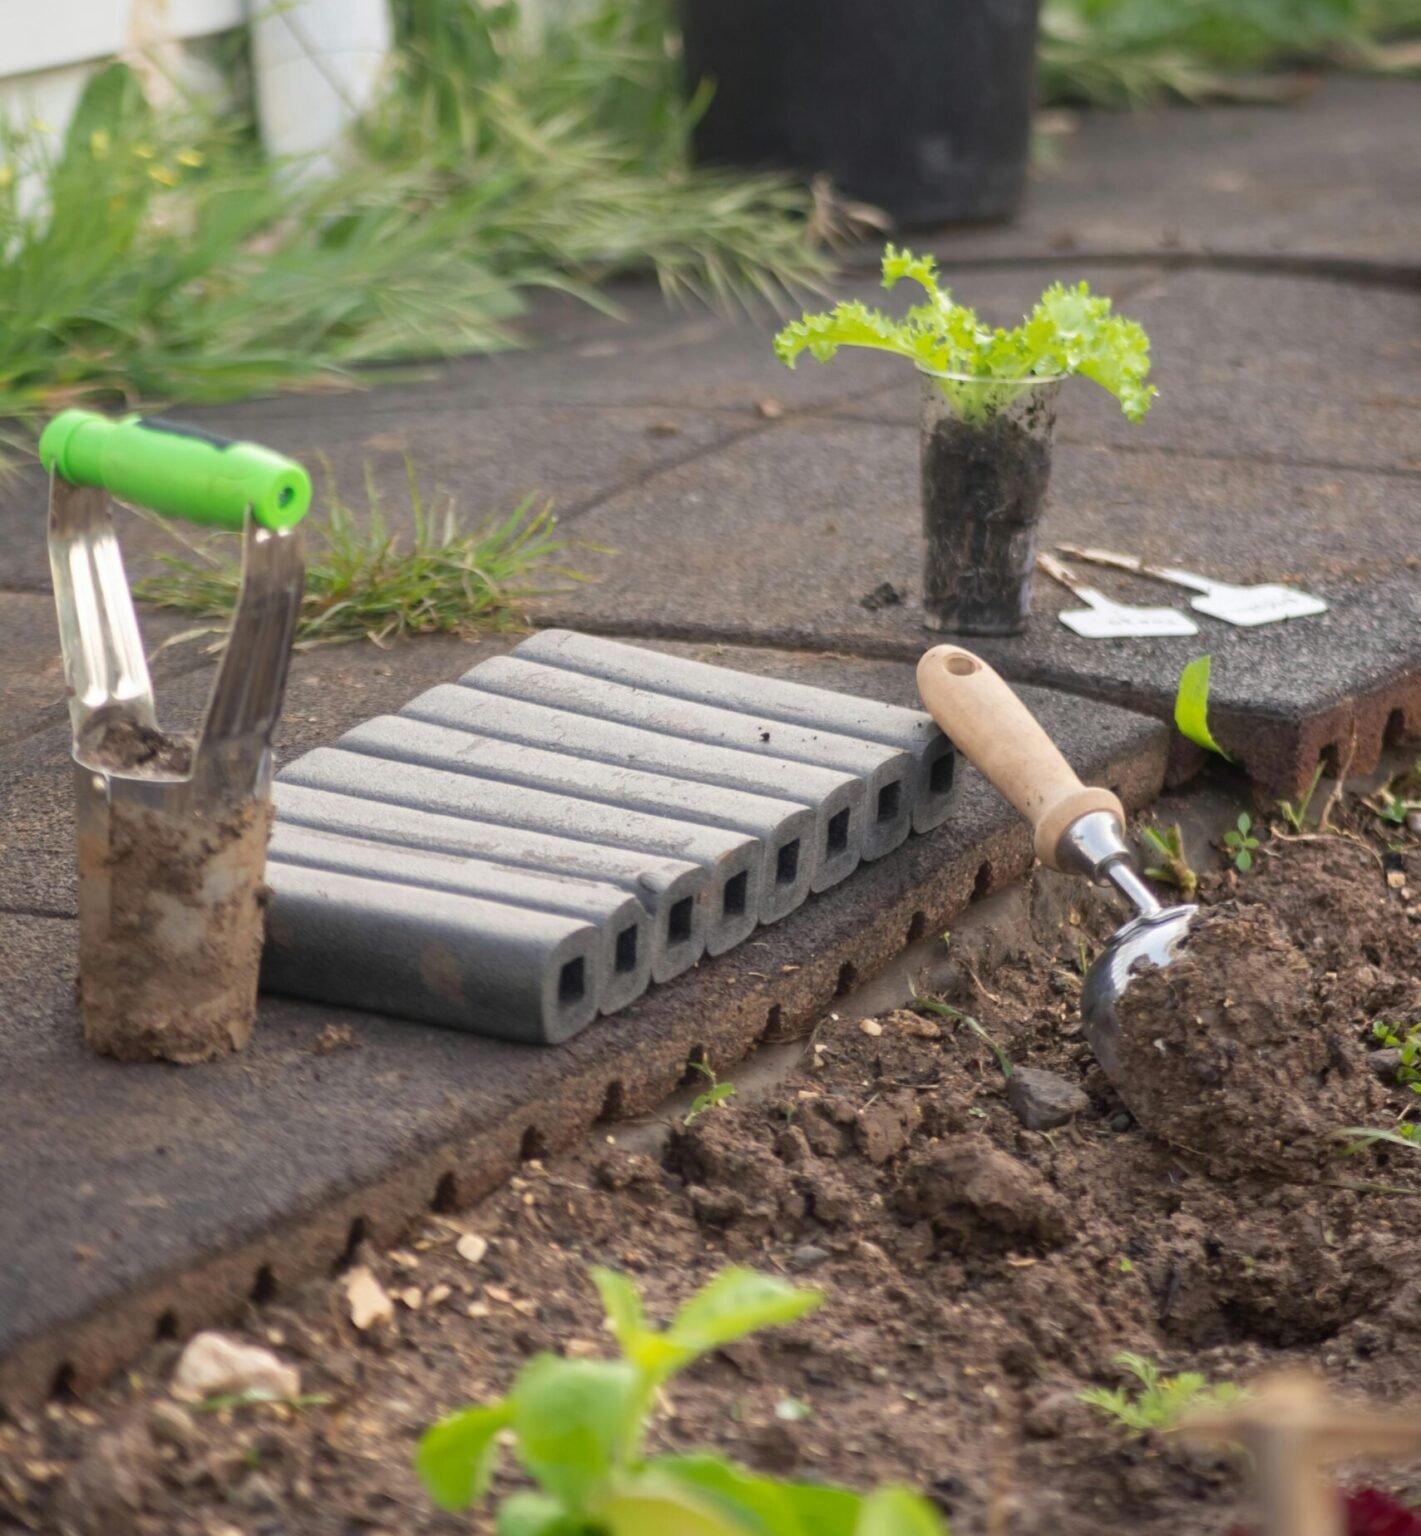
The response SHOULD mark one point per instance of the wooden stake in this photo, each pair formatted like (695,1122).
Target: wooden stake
(1295,1430)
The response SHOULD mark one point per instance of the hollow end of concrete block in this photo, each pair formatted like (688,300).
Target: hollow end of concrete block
(888,808)
(935,786)
(789,867)
(735,898)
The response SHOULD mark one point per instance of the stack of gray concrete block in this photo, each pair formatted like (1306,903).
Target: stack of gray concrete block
(533,845)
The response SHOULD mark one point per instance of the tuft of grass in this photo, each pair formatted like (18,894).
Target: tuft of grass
(1158,1402)
(1130,53)
(365,582)
(1296,816)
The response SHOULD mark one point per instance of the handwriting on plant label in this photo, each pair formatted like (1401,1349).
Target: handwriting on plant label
(1257,605)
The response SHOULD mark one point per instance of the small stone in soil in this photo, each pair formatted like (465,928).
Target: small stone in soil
(808,1256)
(1383,1064)
(1043,1100)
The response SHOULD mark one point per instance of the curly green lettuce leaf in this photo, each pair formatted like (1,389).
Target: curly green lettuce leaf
(1070,332)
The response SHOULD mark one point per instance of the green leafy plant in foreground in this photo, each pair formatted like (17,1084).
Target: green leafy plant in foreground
(1159,1401)
(576,1427)
(365,582)
(1167,845)
(981,369)
(1239,843)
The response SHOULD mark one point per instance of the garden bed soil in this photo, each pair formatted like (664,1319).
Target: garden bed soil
(977,1275)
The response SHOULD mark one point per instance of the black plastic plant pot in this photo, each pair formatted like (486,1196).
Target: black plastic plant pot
(920,107)
(986,461)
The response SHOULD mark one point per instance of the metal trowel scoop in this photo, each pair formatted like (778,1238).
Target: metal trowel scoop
(1079,830)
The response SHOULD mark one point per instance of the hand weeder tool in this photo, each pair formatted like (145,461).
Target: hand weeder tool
(1079,831)
(1103,617)
(1247,606)
(171,849)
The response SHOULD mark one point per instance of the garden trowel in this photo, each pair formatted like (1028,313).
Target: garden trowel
(1079,830)
(172,837)
(1102,617)
(1246,606)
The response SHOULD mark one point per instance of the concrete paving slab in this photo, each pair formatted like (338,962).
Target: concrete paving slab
(160,1199)
(778,540)
(1323,183)
(1248,365)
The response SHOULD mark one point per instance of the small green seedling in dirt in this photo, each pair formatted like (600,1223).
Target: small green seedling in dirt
(1167,845)
(981,369)
(1296,815)
(576,1427)
(1398,798)
(1239,843)
(717,1093)
(1392,1034)
(947,1011)
(1160,1401)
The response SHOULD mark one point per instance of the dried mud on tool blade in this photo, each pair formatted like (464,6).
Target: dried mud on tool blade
(1247,606)
(1078,830)
(1102,618)
(172,844)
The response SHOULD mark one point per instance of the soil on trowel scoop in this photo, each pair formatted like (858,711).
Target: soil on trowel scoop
(135,751)
(1221,1056)
(170,932)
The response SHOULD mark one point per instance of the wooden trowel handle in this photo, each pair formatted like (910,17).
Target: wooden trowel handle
(996,732)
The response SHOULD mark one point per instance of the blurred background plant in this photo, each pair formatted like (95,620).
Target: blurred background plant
(1125,53)
(156,256)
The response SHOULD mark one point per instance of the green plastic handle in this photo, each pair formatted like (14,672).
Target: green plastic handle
(177,470)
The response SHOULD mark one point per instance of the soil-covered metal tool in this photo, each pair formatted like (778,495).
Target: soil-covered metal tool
(1246,606)
(1103,618)
(172,836)
(1078,830)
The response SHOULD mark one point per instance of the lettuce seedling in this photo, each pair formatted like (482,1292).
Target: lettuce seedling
(577,1426)
(981,369)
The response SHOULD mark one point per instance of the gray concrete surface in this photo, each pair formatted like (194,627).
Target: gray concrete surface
(157,1197)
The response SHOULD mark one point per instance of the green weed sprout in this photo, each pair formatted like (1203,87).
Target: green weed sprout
(576,1427)
(717,1093)
(980,369)
(1160,1401)
(1296,815)
(1239,843)
(1173,868)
